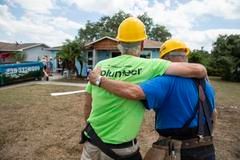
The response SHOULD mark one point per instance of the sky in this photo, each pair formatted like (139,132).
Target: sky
(197,22)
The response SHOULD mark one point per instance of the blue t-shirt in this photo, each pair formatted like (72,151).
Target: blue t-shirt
(174,100)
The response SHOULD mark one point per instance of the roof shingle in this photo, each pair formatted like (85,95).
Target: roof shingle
(148,44)
(15,46)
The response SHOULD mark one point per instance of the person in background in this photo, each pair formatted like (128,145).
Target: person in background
(45,73)
(50,66)
(88,71)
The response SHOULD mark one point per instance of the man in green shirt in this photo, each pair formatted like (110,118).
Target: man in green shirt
(116,121)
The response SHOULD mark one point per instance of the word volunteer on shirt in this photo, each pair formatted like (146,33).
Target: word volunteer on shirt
(121,73)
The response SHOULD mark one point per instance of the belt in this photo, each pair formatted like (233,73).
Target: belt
(197,142)
(181,134)
(163,142)
(118,146)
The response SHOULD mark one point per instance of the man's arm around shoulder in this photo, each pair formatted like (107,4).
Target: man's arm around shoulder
(123,89)
(190,70)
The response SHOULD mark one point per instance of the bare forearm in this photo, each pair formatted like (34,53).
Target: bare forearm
(191,70)
(122,89)
(87,112)
(87,106)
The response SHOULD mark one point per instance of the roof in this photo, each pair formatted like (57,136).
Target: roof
(57,48)
(148,44)
(106,37)
(18,47)
(152,44)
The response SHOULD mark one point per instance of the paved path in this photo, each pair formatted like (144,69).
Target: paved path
(44,83)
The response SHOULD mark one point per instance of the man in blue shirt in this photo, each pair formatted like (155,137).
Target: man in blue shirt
(175,101)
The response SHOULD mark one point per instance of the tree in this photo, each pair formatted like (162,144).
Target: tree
(72,50)
(159,33)
(148,22)
(199,56)
(226,55)
(108,26)
(203,57)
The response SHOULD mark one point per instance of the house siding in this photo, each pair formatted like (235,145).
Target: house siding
(33,53)
(101,55)
(38,52)
(155,53)
(102,49)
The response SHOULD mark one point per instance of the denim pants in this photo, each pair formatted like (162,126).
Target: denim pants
(199,153)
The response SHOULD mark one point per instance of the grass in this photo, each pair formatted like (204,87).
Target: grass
(227,93)
(30,95)
(34,125)
(76,80)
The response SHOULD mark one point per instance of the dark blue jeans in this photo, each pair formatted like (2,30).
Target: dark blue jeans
(199,153)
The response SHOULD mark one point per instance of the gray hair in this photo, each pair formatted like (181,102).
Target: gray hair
(129,48)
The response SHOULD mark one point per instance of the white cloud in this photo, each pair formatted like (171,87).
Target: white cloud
(39,6)
(228,9)
(36,27)
(64,23)
(106,6)
(197,39)
(182,19)
(39,25)
(179,18)
(61,23)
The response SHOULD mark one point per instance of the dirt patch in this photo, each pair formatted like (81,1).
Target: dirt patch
(35,126)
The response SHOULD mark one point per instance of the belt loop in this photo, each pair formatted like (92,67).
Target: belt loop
(134,142)
(200,138)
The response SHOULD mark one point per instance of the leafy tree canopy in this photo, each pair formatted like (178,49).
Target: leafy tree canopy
(108,26)
(226,56)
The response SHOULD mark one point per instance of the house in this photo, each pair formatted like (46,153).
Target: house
(96,51)
(33,51)
(106,47)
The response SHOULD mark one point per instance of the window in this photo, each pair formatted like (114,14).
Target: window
(146,54)
(90,59)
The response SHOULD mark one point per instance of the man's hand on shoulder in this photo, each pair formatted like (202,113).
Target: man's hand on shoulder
(94,76)
(119,88)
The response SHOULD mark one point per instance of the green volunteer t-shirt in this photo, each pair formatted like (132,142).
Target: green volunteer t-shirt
(117,120)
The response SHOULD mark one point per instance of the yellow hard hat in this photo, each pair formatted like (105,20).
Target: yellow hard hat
(171,45)
(131,30)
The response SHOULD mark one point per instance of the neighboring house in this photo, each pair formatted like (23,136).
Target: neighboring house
(96,51)
(52,52)
(33,51)
(106,47)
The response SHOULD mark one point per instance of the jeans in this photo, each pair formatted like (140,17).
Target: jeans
(199,153)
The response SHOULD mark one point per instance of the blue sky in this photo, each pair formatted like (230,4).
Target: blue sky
(197,22)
